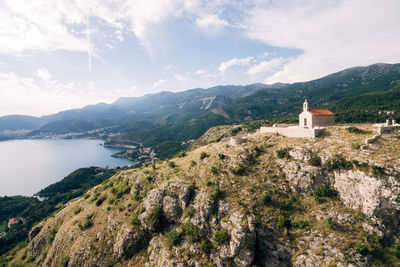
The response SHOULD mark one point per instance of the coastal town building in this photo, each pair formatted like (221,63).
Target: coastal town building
(14,221)
(311,123)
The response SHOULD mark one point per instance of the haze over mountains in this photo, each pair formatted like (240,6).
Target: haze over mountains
(165,120)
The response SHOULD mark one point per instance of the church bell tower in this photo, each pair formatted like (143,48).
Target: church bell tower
(305,105)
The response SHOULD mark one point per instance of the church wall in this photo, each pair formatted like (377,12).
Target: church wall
(293,132)
(306,115)
(325,120)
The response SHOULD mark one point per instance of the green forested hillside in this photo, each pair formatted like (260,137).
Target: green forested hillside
(356,95)
(166,121)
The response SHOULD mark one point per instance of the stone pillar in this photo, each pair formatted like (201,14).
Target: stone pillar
(393,122)
(387,123)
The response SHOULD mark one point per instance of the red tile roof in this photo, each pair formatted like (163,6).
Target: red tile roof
(321,112)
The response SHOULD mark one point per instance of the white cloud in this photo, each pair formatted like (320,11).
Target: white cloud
(211,22)
(332,35)
(44,74)
(38,26)
(234,62)
(267,66)
(159,82)
(200,72)
(25,95)
(179,77)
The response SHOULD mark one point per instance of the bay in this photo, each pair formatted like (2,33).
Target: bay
(26,166)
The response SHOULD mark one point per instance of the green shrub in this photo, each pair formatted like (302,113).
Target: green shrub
(238,170)
(356,130)
(203,155)
(135,220)
(221,156)
(189,212)
(30,259)
(23,257)
(182,154)
(298,223)
(329,222)
(214,170)
(173,238)
(376,170)
(323,191)
(205,246)
(362,249)
(285,204)
(315,160)
(77,210)
(362,166)
(284,222)
(64,261)
(171,164)
(397,136)
(191,231)
(53,233)
(87,222)
(191,191)
(283,153)
(265,199)
(338,163)
(154,220)
(121,190)
(217,194)
(100,200)
(221,237)
(396,250)
(136,194)
(193,163)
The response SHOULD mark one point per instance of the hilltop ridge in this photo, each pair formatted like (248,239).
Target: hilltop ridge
(271,201)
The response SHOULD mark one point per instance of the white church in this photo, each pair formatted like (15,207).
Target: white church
(311,123)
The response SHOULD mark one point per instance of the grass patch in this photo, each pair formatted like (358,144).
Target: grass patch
(171,164)
(323,191)
(376,170)
(64,261)
(396,250)
(222,237)
(77,210)
(203,155)
(264,199)
(100,200)
(356,130)
(355,146)
(283,153)
(338,163)
(315,160)
(87,222)
(217,194)
(191,231)
(298,223)
(53,233)
(238,170)
(205,246)
(173,238)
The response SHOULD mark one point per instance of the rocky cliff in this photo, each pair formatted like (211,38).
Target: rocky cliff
(272,201)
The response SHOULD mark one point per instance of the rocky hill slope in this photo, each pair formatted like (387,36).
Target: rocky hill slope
(272,201)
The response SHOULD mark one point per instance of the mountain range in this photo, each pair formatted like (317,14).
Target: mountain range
(165,120)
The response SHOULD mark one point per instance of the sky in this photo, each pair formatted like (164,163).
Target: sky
(64,54)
